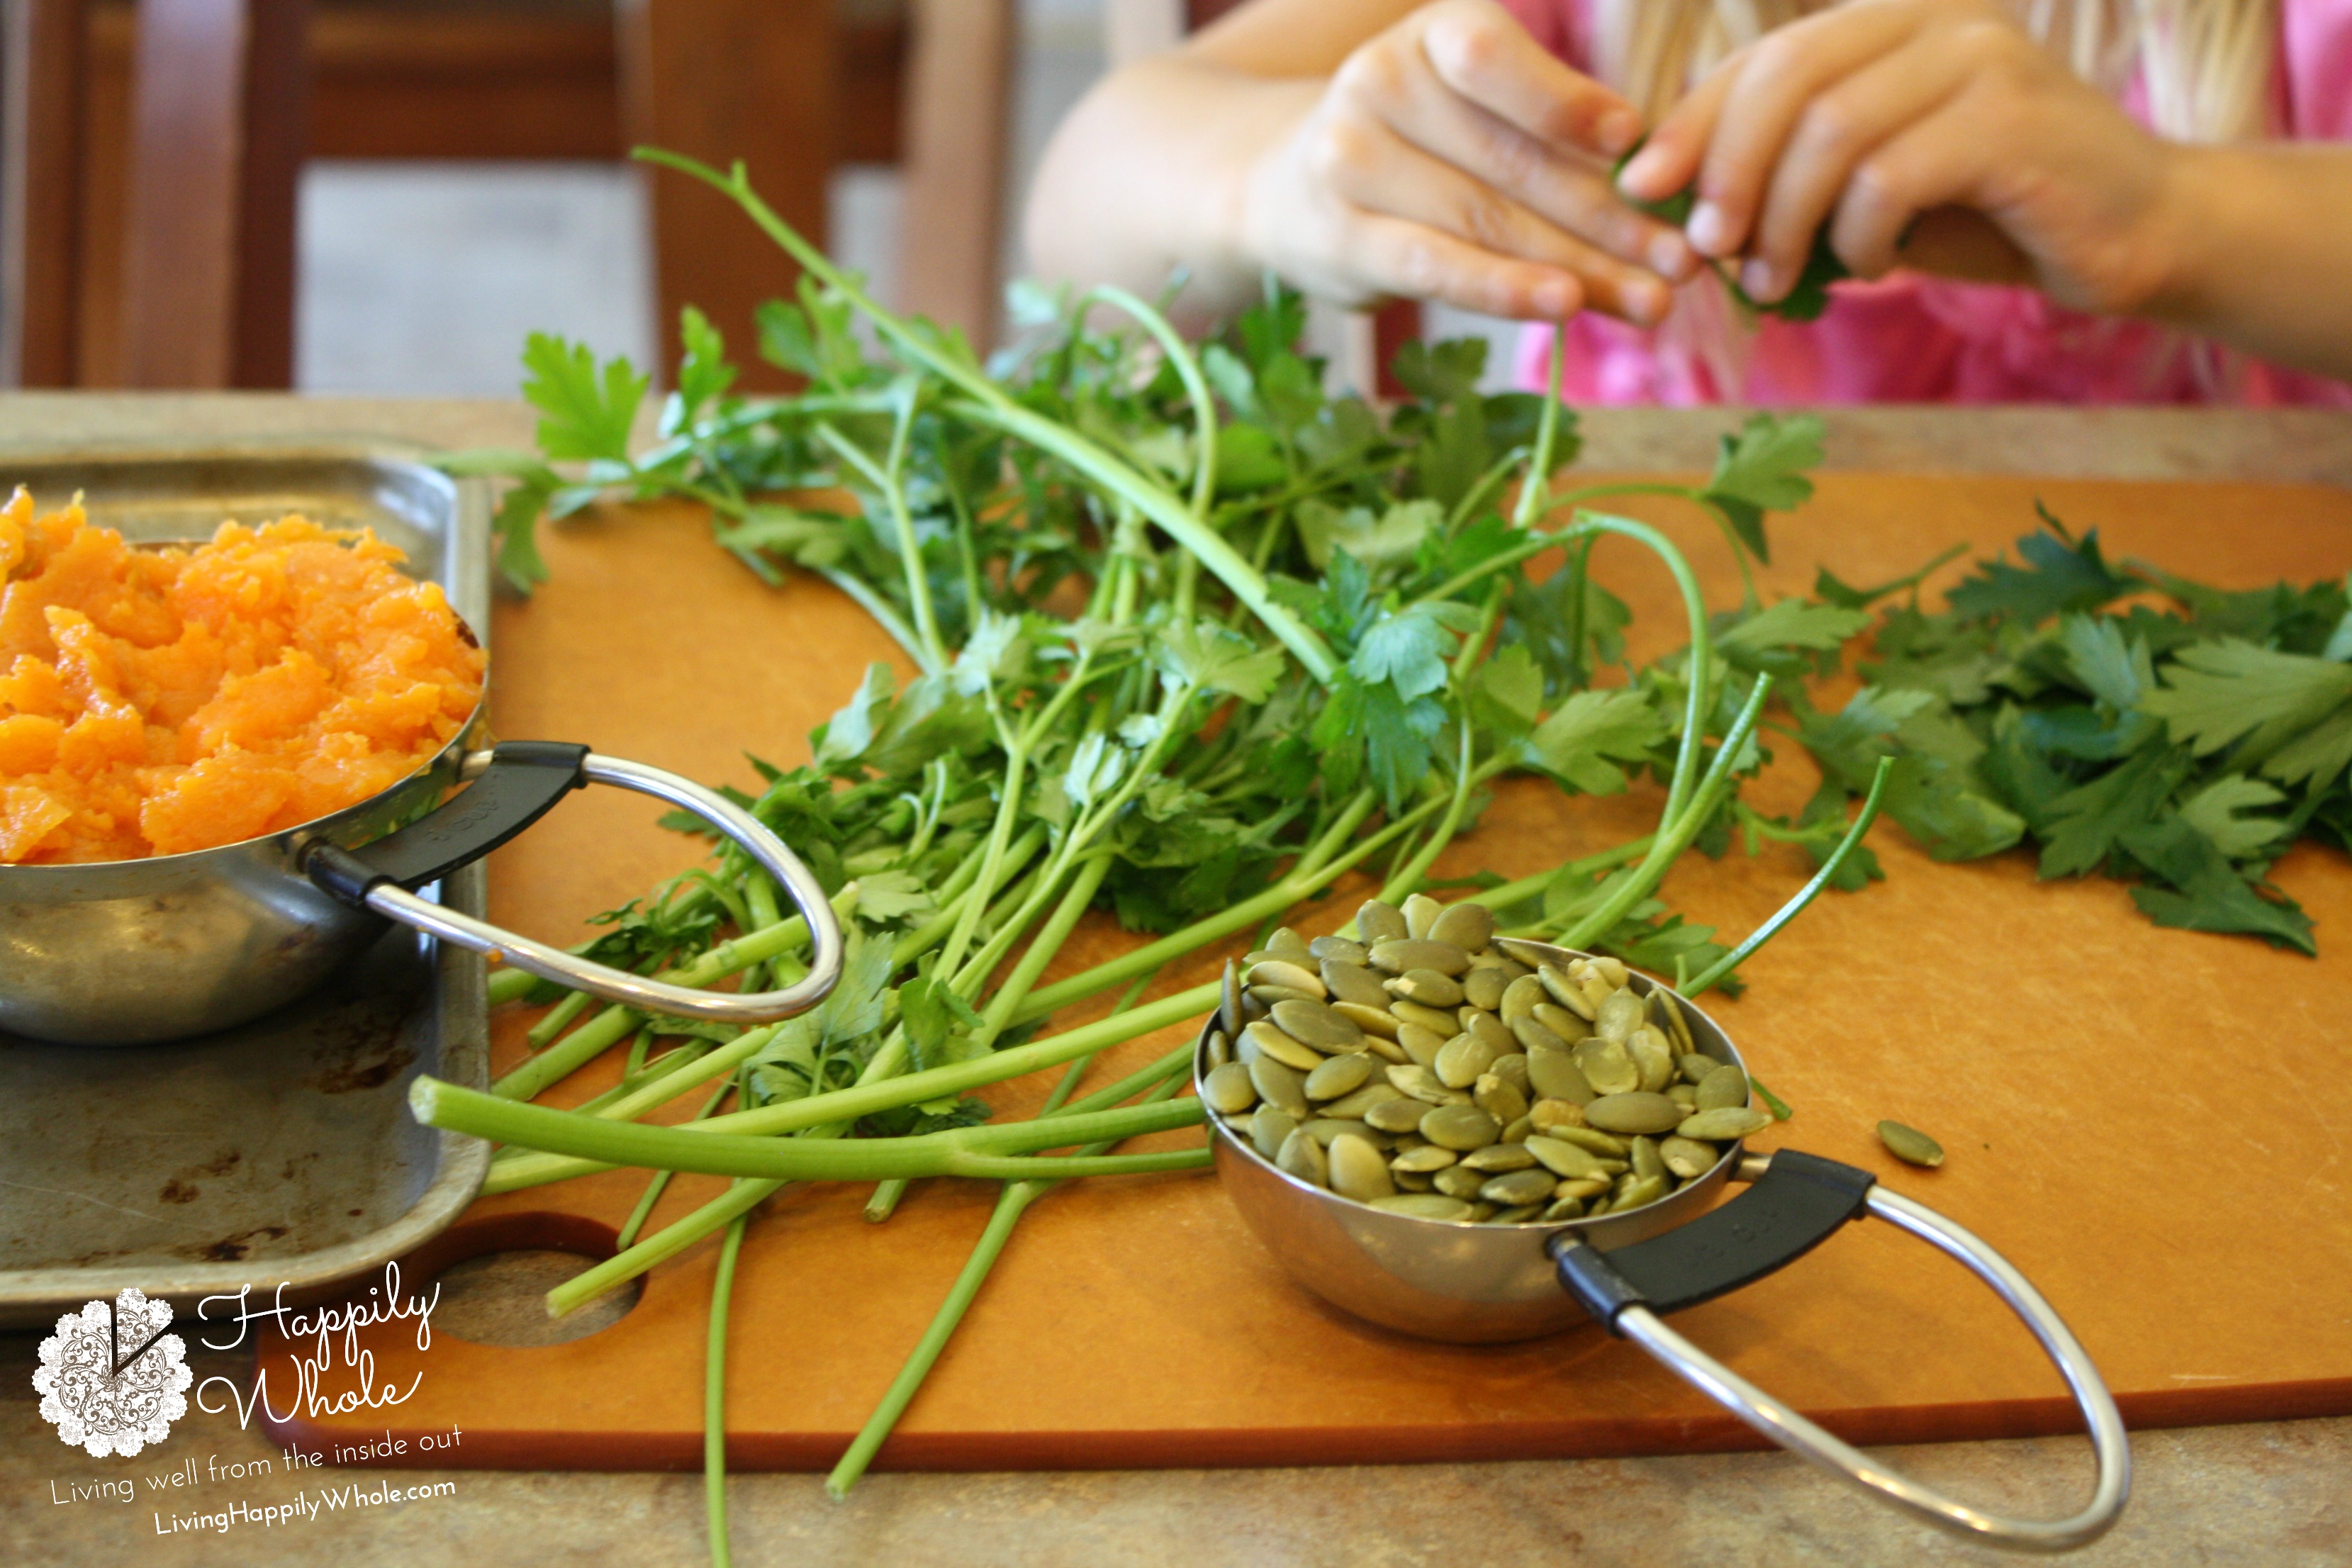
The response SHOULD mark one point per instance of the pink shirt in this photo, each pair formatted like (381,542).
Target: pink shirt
(1910,339)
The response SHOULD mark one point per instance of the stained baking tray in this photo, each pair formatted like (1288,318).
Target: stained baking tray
(281,1151)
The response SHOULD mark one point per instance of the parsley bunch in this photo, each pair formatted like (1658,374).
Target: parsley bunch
(1194,639)
(2124,720)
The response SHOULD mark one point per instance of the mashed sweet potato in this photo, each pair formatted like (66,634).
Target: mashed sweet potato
(156,702)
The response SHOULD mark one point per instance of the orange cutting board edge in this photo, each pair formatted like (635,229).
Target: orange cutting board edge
(2150,1123)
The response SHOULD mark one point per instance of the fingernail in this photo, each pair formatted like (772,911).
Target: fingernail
(1709,229)
(1759,279)
(1555,301)
(1648,303)
(1618,130)
(1670,256)
(1641,173)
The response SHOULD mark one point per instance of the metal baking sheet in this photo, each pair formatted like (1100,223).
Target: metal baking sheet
(281,1151)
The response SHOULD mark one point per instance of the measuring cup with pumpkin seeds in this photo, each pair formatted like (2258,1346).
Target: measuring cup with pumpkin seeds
(1475,1139)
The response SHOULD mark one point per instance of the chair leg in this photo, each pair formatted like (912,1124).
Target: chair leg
(220,107)
(721,80)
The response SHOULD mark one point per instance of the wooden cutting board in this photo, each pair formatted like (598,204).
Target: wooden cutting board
(2153,1124)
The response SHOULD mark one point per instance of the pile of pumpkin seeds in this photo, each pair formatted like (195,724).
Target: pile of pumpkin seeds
(1418,1068)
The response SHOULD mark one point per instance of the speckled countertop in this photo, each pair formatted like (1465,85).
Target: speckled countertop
(2275,1493)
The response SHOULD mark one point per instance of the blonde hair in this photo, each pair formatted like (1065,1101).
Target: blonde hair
(2206,64)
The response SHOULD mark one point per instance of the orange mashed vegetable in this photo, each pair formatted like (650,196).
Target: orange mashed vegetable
(156,702)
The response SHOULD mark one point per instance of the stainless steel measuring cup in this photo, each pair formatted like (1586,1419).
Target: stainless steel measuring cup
(1444,1279)
(126,952)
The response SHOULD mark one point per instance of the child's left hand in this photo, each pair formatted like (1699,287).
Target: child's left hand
(1874,116)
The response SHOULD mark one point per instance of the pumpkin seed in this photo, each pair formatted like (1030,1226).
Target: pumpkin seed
(1401,1114)
(1461,1059)
(1725,1089)
(1687,1157)
(1338,1076)
(1562,1022)
(1428,987)
(1642,1190)
(1376,1091)
(1910,1145)
(1514,1189)
(1563,1209)
(1397,957)
(1311,1023)
(1581,1188)
(1359,1169)
(1270,1040)
(1228,1089)
(1613,970)
(1386,1049)
(1421,912)
(1666,1012)
(1547,1114)
(1304,1158)
(1499,1099)
(1519,998)
(1229,1002)
(1593,1140)
(1435,1019)
(1647,1161)
(1323,1129)
(1489,1029)
(1534,1036)
(1352,982)
(1511,1066)
(1287,975)
(1554,1075)
(1460,1127)
(1651,1057)
(1412,1181)
(1618,1017)
(1483,987)
(1279,1087)
(1371,1020)
(1606,1067)
(1268,1127)
(1466,926)
(1339,949)
(1517,1132)
(1634,1111)
(1458,1181)
(1286,943)
(1272,996)
(1423,1205)
(1683,1095)
(1695,1066)
(1497,1158)
(1423,1160)
(1378,923)
(1565,1159)
(1724,1124)
(1421,1044)
(1221,1050)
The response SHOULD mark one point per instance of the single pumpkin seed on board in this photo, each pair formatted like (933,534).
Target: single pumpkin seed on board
(1423,1205)
(1461,1059)
(1635,1111)
(1554,1075)
(1910,1145)
(1228,1089)
(1288,975)
(1378,923)
(1483,988)
(1268,1128)
(1458,1181)
(1428,987)
(1460,1127)
(1269,1040)
(1375,1092)
(1424,1161)
(1370,1020)
(1318,1025)
(1338,1076)
(1397,957)
(1466,926)
(1514,1188)
(1353,982)
(1421,912)
(1304,1158)
(1279,1087)
(1329,949)
(1358,1169)
(1421,1044)
(1519,998)
(1722,1125)
(1686,1157)
(1606,1067)
(1401,1114)
(1499,1099)
(1497,1158)
(1437,1020)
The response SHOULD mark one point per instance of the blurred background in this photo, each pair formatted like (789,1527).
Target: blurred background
(384,196)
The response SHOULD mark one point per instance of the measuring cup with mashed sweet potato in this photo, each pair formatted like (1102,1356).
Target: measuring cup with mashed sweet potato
(223,767)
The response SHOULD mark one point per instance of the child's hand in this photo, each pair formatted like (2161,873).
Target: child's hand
(1874,116)
(1453,158)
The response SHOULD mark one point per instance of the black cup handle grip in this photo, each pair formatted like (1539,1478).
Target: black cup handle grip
(1798,1203)
(522,783)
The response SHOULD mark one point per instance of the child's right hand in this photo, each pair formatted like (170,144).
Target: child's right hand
(1452,157)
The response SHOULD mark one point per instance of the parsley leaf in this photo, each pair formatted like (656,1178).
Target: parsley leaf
(1763,468)
(2059,575)
(582,416)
